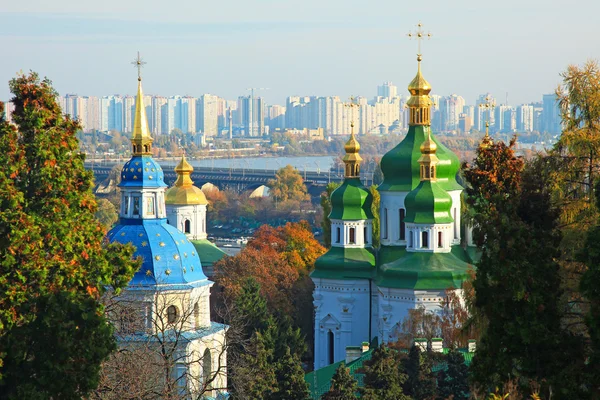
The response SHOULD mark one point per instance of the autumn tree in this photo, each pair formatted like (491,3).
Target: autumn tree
(288,185)
(54,262)
(343,386)
(106,213)
(326,206)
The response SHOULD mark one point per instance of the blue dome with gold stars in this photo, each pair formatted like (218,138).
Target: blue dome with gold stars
(142,170)
(168,258)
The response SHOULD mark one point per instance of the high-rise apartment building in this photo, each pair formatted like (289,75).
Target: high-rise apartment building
(551,114)
(483,114)
(252,116)
(524,118)
(388,90)
(207,114)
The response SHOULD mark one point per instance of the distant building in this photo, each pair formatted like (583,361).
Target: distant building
(524,118)
(207,115)
(252,116)
(551,114)
(387,90)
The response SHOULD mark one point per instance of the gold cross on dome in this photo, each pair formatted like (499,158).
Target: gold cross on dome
(420,35)
(139,63)
(351,105)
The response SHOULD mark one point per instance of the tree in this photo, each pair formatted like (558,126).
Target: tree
(375,211)
(290,379)
(255,377)
(54,263)
(326,205)
(288,185)
(383,378)
(518,284)
(106,213)
(251,308)
(343,385)
(453,381)
(421,383)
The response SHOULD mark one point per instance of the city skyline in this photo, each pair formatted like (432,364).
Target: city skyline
(344,49)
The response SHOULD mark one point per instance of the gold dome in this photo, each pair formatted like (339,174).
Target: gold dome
(352,146)
(419,85)
(184,192)
(428,146)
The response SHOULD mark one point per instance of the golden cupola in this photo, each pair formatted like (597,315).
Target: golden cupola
(352,159)
(184,192)
(428,160)
(419,104)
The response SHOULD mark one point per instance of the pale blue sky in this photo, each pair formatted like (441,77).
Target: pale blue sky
(301,47)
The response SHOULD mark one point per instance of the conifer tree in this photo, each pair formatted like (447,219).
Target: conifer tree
(343,385)
(255,377)
(454,380)
(290,379)
(54,262)
(420,383)
(383,376)
(250,308)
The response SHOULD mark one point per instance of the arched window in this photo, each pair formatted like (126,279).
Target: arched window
(196,316)
(425,240)
(352,236)
(172,314)
(187,226)
(402,215)
(125,205)
(206,368)
(136,206)
(385,223)
(440,240)
(366,239)
(145,148)
(337,234)
(410,239)
(330,347)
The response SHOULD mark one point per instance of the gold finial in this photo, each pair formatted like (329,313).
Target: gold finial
(488,106)
(419,102)
(139,63)
(140,139)
(428,160)
(184,169)
(352,159)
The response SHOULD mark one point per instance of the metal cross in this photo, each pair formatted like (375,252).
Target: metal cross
(352,104)
(419,35)
(139,63)
(489,106)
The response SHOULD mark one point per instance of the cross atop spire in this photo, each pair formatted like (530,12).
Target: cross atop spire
(139,63)
(351,105)
(420,35)
(488,106)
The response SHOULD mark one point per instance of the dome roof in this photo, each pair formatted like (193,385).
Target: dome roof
(400,165)
(142,171)
(351,201)
(428,204)
(184,192)
(168,257)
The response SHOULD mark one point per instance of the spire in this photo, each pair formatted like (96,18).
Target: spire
(428,160)
(419,103)
(352,159)
(184,170)
(487,140)
(487,106)
(140,140)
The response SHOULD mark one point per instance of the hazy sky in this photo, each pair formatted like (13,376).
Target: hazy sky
(301,47)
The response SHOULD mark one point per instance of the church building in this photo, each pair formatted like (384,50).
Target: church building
(361,292)
(169,294)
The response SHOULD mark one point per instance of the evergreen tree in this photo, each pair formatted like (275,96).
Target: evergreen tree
(343,385)
(290,379)
(326,205)
(383,377)
(421,383)
(250,308)
(454,380)
(255,377)
(54,262)
(375,210)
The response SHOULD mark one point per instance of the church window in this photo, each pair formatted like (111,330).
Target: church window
(196,316)
(206,367)
(150,205)
(179,374)
(136,206)
(125,205)
(330,347)
(145,148)
(455,224)
(337,234)
(410,239)
(187,226)
(172,314)
(432,172)
(385,224)
(352,236)
(425,240)
(402,215)
(365,235)
(440,240)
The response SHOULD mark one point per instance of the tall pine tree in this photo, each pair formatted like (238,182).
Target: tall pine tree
(383,376)
(453,382)
(343,385)
(421,383)
(54,262)
(290,379)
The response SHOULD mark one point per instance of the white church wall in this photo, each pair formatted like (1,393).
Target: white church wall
(389,213)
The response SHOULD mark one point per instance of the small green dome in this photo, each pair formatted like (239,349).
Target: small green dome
(351,201)
(401,169)
(428,204)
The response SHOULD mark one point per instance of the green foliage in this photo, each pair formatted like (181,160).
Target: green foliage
(288,185)
(106,213)
(343,385)
(251,308)
(454,380)
(257,374)
(326,205)
(54,263)
(383,376)
(290,379)
(421,383)
(375,210)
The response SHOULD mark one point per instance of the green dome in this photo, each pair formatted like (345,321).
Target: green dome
(401,169)
(351,201)
(345,263)
(428,204)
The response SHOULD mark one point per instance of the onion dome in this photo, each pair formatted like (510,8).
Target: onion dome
(351,201)
(169,259)
(142,171)
(184,192)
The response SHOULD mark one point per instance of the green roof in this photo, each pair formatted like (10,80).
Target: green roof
(400,165)
(428,203)
(403,269)
(345,263)
(351,201)
(208,252)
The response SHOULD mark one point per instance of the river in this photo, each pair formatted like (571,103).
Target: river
(308,163)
